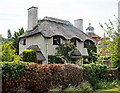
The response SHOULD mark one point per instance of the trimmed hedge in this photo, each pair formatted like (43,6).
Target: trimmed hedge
(94,72)
(29,55)
(40,78)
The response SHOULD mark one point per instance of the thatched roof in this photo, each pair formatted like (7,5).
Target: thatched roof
(50,27)
(76,54)
(40,56)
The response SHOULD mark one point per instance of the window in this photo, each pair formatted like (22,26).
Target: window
(85,44)
(56,40)
(24,41)
(73,40)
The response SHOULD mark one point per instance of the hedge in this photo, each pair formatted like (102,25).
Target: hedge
(29,55)
(94,72)
(40,78)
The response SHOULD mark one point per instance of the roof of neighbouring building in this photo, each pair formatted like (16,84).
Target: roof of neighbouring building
(50,27)
(90,32)
(93,35)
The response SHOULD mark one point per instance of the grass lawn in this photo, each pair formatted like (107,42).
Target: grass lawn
(115,90)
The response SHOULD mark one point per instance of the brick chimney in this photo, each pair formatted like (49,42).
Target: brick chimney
(32,17)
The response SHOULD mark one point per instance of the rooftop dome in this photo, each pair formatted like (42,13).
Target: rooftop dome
(90,29)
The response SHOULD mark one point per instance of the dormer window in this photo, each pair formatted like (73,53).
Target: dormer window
(86,44)
(56,40)
(73,40)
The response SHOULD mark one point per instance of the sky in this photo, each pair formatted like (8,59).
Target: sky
(14,14)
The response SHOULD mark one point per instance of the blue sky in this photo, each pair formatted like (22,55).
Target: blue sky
(13,13)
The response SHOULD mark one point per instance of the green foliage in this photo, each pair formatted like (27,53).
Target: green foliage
(106,84)
(51,59)
(0,51)
(65,49)
(94,72)
(29,55)
(111,47)
(84,87)
(3,39)
(16,40)
(8,53)
(13,69)
(9,35)
(92,49)
(39,20)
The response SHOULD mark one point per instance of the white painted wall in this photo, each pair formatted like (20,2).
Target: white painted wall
(45,44)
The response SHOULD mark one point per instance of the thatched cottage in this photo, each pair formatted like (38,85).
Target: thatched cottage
(46,35)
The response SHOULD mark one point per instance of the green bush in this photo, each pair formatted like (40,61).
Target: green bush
(51,59)
(84,87)
(106,84)
(100,85)
(91,50)
(12,69)
(94,72)
(29,55)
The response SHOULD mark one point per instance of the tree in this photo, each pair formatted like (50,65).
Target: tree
(0,47)
(65,49)
(3,39)
(15,39)
(9,35)
(111,47)
(8,53)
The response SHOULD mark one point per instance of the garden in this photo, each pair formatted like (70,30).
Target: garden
(24,75)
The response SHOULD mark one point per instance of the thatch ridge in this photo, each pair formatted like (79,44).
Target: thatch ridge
(50,27)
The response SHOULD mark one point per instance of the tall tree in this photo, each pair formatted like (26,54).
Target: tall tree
(3,39)
(15,39)
(9,35)
(111,47)
(8,53)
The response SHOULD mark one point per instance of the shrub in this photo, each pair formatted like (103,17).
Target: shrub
(51,59)
(100,85)
(106,84)
(40,78)
(29,55)
(65,49)
(94,72)
(84,87)
(92,49)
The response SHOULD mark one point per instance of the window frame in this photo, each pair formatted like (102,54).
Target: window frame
(24,41)
(74,40)
(57,40)
(86,44)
